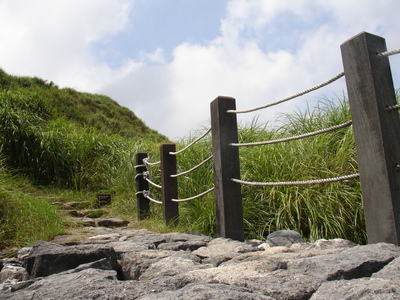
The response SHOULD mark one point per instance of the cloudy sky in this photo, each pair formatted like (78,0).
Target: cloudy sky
(167,60)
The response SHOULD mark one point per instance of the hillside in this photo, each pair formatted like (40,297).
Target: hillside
(58,144)
(55,135)
(86,110)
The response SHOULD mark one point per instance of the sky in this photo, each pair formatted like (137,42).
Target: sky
(166,60)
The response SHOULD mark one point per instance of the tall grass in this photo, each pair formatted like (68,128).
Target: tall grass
(85,144)
(24,217)
(316,211)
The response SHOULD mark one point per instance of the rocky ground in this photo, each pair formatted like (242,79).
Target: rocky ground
(104,261)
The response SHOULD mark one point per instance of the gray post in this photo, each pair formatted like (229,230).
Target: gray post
(143,204)
(226,166)
(377,134)
(169,184)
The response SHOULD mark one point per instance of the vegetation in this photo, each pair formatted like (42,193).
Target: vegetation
(61,142)
(317,211)
(61,145)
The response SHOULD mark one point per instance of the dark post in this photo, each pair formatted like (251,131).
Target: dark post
(143,204)
(377,134)
(226,166)
(169,184)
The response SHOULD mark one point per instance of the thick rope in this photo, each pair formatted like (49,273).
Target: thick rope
(316,181)
(194,197)
(393,107)
(146,194)
(194,168)
(140,166)
(297,137)
(148,163)
(291,97)
(192,143)
(388,53)
(146,177)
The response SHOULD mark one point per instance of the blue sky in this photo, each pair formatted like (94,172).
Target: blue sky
(167,60)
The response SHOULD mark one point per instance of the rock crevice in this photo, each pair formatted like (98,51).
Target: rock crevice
(124,263)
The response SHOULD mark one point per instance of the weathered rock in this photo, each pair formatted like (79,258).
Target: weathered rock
(49,258)
(284,238)
(173,266)
(218,247)
(11,270)
(76,205)
(206,291)
(111,222)
(390,271)
(363,288)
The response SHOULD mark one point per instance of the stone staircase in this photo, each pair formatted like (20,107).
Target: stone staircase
(82,213)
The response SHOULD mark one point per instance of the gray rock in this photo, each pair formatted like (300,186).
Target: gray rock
(111,222)
(49,258)
(11,270)
(206,291)
(218,247)
(390,271)
(356,262)
(170,266)
(364,288)
(284,238)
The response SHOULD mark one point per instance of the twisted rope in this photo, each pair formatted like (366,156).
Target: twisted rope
(146,177)
(316,181)
(388,53)
(297,137)
(393,107)
(148,163)
(291,97)
(146,194)
(192,143)
(194,197)
(194,168)
(140,166)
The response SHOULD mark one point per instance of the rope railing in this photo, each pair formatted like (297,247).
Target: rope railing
(146,194)
(194,197)
(146,177)
(148,163)
(393,107)
(388,53)
(333,79)
(194,168)
(380,193)
(292,138)
(306,182)
(192,143)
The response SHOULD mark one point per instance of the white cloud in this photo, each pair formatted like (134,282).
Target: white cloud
(53,39)
(265,50)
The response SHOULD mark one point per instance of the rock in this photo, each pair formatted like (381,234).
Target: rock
(364,288)
(219,246)
(111,222)
(206,291)
(284,238)
(170,266)
(356,262)
(76,205)
(11,270)
(184,266)
(49,258)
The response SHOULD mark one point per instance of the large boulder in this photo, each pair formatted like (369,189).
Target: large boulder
(47,258)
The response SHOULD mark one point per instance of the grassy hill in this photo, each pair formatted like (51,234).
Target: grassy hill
(56,142)
(66,145)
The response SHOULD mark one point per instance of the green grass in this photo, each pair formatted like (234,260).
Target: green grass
(25,216)
(317,211)
(62,145)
